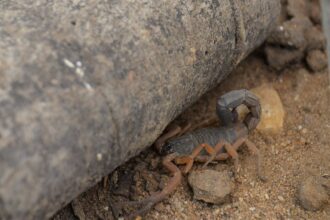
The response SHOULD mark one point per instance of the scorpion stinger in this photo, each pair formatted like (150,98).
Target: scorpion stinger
(227,104)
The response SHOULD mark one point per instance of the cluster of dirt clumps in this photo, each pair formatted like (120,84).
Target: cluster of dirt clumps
(298,38)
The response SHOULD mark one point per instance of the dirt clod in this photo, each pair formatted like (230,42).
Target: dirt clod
(294,38)
(315,12)
(311,194)
(315,39)
(292,33)
(211,186)
(316,60)
(298,8)
(280,58)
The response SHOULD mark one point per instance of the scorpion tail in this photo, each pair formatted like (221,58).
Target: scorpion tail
(227,104)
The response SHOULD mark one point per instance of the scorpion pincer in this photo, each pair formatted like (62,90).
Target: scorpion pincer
(207,144)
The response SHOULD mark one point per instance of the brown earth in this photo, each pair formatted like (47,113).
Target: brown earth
(301,150)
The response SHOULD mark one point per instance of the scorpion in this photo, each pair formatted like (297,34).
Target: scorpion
(207,144)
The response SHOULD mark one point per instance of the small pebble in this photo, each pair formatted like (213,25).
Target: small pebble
(252,209)
(311,193)
(154,163)
(80,72)
(272,147)
(68,63)
(280,198)
(302,140)
(266,196)
(159,207)
(99,157)
(317,60)
(216,212)
(315,38)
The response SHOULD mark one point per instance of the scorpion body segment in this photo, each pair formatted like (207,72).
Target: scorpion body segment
(185,144)
(207,144)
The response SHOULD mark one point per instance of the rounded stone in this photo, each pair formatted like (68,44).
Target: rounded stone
(211,186)
(311,194)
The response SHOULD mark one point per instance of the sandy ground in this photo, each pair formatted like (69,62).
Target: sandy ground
(301,150)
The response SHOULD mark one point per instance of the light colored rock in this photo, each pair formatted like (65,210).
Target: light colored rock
(211,186)
(312,193)
(272,111)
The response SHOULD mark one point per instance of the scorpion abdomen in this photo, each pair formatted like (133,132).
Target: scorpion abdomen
(185,144)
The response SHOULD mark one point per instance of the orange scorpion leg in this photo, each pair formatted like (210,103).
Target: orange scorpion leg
(149,202)
(189,160)
(231,150)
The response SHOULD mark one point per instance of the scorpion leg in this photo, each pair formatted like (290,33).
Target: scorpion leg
(218,147)
(169,165)
(174,131)
(205,158)
(185,128)
(231,151)
(205,123)
(189,160)
(254,150)
(148,203)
